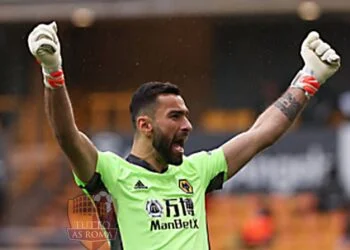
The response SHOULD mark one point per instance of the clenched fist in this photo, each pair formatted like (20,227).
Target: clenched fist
(45,46)
(320,63)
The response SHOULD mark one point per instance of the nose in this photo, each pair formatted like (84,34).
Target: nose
(186,125)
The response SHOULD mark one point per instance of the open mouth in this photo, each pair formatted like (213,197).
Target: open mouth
(178,146)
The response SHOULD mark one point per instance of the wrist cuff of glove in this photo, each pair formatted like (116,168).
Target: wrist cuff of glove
(306,82)
(54,80)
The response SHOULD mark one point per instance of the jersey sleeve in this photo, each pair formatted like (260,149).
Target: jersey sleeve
(106,170)
(211,166)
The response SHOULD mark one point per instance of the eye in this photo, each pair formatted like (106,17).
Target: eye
(175,116)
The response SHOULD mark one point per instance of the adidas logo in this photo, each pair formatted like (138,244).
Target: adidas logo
(140,185)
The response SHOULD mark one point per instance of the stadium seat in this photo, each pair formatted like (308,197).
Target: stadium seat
(227,120)
(110,111)
(298,224)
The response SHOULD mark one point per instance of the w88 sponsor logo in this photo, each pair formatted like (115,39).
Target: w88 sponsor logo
(172,208)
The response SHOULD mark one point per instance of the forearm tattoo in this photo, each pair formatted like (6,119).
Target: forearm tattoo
(289,106)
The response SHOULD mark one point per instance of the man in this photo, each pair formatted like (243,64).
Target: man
(157,191)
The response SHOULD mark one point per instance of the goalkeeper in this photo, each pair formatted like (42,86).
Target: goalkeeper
(158,192)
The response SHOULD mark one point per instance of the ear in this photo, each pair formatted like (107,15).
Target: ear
(144,125)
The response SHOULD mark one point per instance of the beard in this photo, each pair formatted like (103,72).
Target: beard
(163,145)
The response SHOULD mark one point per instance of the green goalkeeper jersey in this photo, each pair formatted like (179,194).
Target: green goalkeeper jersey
(162,210)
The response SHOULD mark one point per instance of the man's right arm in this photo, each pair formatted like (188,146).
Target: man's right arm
(45,47)
(75,144)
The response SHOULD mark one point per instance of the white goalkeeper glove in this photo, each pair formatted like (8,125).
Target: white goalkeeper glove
(321,62)
(45,46)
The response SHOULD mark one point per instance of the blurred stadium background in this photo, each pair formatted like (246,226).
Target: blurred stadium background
(231,59)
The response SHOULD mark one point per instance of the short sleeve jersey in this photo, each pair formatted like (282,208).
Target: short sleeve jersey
(162,210)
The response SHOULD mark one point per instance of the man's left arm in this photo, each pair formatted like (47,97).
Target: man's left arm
(321,62)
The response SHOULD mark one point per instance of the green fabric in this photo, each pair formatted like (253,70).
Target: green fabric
(161,210)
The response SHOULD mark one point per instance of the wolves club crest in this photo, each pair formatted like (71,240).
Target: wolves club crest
(185,186)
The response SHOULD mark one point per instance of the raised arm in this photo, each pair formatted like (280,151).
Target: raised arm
(321,62)
(45,47)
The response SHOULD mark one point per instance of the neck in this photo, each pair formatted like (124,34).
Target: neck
(143,149)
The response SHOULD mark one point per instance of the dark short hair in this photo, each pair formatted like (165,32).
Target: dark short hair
(147,94)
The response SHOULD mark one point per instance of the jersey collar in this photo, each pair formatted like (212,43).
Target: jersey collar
(141,163)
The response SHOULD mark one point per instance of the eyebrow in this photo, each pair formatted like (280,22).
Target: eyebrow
(180,112)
